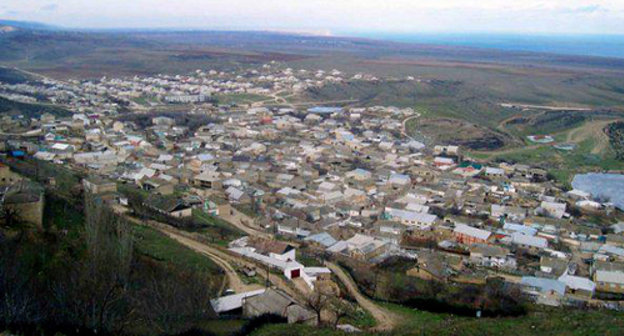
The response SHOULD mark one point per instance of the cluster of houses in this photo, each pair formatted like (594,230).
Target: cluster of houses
(348,182)
(139,92)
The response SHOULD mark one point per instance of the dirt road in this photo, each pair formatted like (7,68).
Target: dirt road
(236,219)
(548,108)
(592,130)
(385,320)
(234,281)
(224,258)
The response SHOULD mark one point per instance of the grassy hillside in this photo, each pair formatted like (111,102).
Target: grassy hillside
(12,108)
(12,76)
(543,322)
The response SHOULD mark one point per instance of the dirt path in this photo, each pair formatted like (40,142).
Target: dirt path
(386,320)
(404,125)
(226,260)
(548,108)
(577,135)
(511,150)
(234,281)
(236,219)
(192,243)
(595,130)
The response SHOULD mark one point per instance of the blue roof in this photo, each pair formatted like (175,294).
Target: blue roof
(361,171)
(527,230)
(544,285)
(322,238)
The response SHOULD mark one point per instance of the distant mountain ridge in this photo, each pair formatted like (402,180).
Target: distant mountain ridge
(27,25)
(69,52)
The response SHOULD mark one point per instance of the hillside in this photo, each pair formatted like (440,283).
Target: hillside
(13,108)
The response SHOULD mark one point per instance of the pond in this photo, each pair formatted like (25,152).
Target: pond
(600,185)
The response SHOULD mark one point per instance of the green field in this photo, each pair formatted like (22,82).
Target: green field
(548,322)
(9,107)
(217,230)
(11,76)
(593,153)
(239,98)
(156,245)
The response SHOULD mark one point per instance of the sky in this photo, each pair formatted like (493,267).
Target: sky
(338,17)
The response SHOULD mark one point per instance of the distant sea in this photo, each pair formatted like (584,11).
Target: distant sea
(586,45)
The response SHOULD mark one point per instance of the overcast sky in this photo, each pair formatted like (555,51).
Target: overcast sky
(331,16)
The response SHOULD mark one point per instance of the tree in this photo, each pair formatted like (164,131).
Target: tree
(171,300)
(340,309)
(317,302)
(95,289)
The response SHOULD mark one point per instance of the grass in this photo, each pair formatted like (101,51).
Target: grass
(12,76)
(141,101)
(361,319)
(549,322)
(59,214)
(28,110)
(219,231)
(156,245)
(223,327)
(214,221)
(239,98)
(246,209)
(41,171)
(562,165)
(308,260)
(541,321)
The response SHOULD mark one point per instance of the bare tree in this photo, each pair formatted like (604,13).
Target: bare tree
(317,302)
(341,309)
(95,290)
(173,302)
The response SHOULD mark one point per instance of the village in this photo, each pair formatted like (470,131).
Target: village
(317,179)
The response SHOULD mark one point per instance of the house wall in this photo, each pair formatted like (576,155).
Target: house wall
(288,272)
(609,287)
(292,316)
(7,177)
(182,213)
(581,293)
(166,189)
(290,255)
(100,188)
(29,212)
(466,239)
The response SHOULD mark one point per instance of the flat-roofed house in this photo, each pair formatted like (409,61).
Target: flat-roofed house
(609,281)
(491,256)
(529,242)
(552,209)
(274,301)
(412,218)
(578,285)
(97,185)
(469,235)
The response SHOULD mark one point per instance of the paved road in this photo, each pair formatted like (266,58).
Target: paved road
(386,320)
